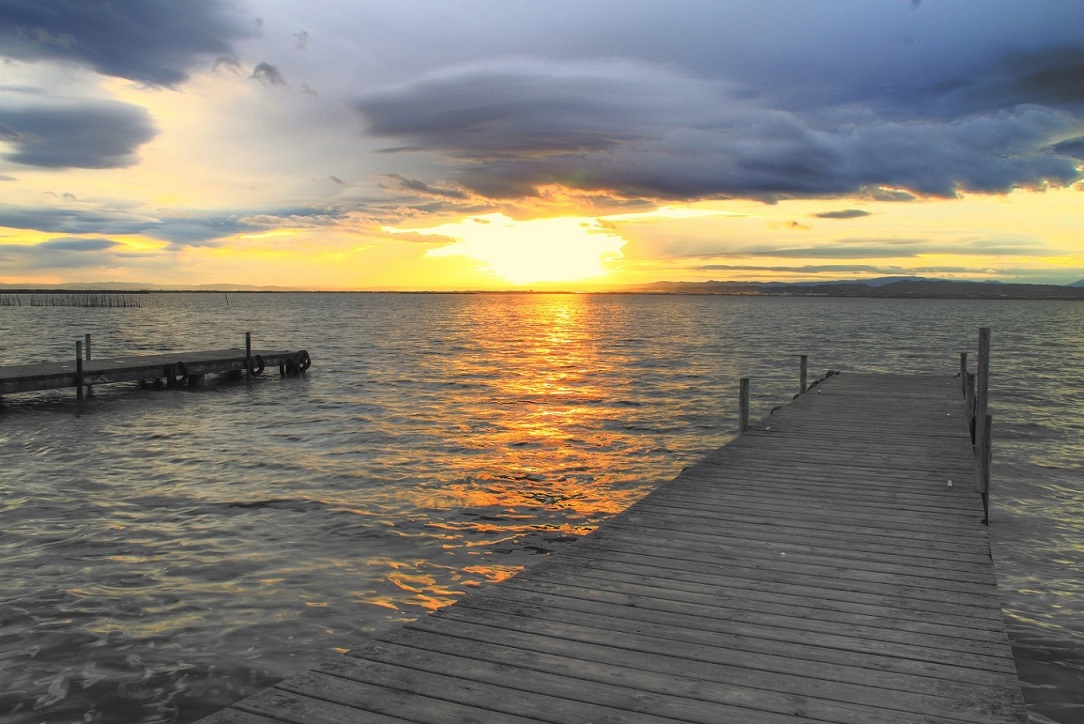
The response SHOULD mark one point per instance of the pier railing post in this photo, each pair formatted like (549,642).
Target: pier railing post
(963,373)
(969,403)
(985,455)
(803,373)
(982,417)
(743,405)
(248,355)
(79,370)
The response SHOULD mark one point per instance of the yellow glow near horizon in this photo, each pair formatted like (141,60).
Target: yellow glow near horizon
(524,252)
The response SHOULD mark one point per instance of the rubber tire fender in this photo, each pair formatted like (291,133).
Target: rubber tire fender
(180,374)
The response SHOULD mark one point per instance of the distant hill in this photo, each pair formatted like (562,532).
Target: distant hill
(882,287)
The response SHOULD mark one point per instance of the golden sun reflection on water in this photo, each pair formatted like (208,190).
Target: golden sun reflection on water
(532,465)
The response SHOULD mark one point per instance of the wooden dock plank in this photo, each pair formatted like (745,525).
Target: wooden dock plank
(818,568)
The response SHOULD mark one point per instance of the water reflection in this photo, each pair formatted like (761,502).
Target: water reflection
(526,473)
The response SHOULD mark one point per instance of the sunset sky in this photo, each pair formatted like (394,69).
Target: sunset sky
(499,144)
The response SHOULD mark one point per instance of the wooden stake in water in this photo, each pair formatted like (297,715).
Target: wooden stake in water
(803,373)
(248,355)
(985,454)
(963,373)
(743,405)
(78,370)
(982,394)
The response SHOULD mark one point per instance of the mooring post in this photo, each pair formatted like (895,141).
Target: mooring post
(803,373)
(982,417)
(985,460)
(248,355)
(78,370)
(743,405)
(969,403)
(963,373)
(87,348)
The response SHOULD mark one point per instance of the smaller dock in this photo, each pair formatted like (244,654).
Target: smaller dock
(174,369)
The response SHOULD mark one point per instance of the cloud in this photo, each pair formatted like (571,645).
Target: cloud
(180,229)
(75,220)
(897,248)
(1050,76)
(426,189)
(158,42)
(807,269)
(62,253)
(844,214)
(79,244)
(93,135)
(228,62)
(269,73)
(638,130)
(1072,147)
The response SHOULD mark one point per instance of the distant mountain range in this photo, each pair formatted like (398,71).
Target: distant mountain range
(884,287)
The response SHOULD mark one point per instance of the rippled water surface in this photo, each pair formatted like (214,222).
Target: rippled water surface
(165,552)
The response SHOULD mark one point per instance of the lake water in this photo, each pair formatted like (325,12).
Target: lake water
(166,552)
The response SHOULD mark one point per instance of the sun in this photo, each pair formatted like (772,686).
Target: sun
(559,249)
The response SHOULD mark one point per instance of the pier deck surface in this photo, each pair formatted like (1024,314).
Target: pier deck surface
(819,570)
(57,375)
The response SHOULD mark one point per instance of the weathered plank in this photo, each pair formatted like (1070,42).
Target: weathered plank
(818,568)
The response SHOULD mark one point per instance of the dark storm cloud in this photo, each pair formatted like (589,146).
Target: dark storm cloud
(844,214)
(1053,77)
(643,131)
(88,135)
(531,108)
(1073,147)
(152,41)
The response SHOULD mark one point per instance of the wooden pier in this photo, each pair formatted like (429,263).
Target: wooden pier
(829,565)
(176,369)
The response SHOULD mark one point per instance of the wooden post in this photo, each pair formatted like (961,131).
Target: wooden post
(78,370)
(985,454)
(248,355)
(969,403)
(963,373)
(982,394)
(86,356)
(803,373)
(743,405)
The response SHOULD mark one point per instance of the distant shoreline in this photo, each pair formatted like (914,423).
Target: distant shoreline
(848,290)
